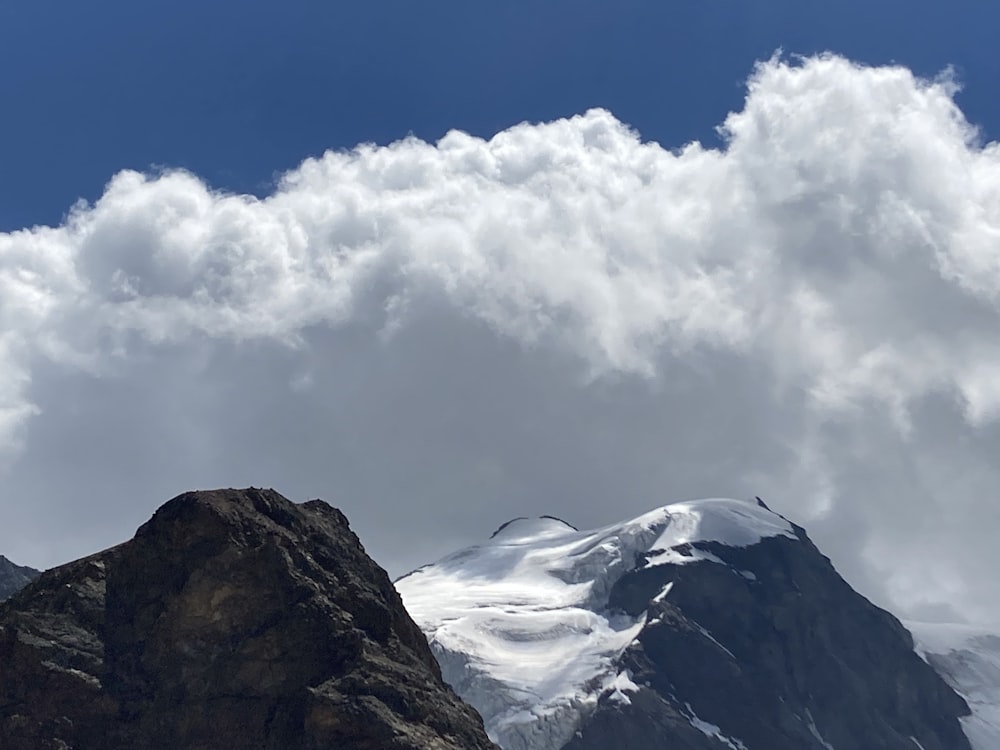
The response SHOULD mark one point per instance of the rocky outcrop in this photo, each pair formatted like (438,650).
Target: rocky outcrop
(233,619)
(14,577)
(766,646)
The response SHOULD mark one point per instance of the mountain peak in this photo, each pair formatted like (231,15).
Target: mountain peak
(14,577)
(727,521)
(701,624)
(233,618)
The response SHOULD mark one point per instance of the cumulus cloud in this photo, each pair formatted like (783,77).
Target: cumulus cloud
(563,318)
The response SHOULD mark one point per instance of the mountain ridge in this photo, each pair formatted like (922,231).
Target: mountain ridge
(703,625)
(968,658)
(14,577)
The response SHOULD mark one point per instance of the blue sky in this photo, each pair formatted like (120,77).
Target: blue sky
(239,91)
(577,316)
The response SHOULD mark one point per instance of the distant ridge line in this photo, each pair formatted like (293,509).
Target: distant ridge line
(526,518)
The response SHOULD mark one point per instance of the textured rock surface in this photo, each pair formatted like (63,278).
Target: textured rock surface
(14,577)
(768,647)
(233,619)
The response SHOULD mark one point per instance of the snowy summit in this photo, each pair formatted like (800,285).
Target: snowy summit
(521,623)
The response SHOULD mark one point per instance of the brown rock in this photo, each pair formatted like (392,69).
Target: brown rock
(233,619)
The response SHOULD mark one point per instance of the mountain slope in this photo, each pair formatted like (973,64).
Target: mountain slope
(969,660)
(233,619)
(701,626)
(14,577)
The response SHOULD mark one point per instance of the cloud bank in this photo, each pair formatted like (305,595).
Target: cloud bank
(561,319)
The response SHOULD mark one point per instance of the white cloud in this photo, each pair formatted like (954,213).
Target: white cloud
(473,321)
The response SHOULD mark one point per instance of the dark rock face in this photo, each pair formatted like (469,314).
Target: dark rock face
(14,577)
(775,651)
(233,619)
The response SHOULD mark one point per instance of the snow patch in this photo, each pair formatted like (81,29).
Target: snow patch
(683,556)
(733,523)
(711,637)
(663,594)
(815,732)
(616,690)
(710,730)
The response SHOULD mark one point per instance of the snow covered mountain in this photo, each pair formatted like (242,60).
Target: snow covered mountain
(969,660)
(707,625)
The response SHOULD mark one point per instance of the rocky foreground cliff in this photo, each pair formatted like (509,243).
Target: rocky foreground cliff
(233,619)
(710,625)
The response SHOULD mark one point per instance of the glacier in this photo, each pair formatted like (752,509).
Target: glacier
(520,623)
